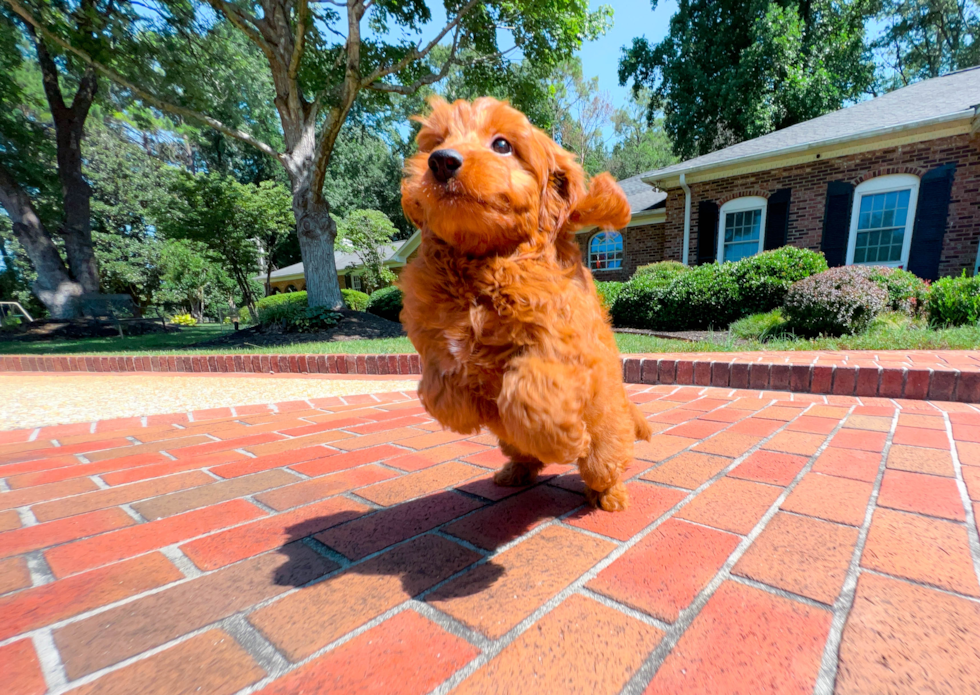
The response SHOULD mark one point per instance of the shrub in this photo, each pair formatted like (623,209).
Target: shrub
(355,300)
(712,294)
(907,292)
(291,313)
(761,327)
(386,303)
(836,302)
(954,301)
(608,291)
(184,320)
(765,278)
(663,269)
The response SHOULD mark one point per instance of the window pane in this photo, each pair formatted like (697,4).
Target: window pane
(742,233)
(606,251)
(881,227)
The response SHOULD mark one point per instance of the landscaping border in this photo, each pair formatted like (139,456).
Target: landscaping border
(741,371)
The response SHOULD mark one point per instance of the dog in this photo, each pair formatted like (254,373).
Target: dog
(506,319)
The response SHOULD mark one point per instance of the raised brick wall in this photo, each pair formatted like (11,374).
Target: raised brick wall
(809,190)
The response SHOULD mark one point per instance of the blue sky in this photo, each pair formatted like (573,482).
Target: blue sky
(631,18)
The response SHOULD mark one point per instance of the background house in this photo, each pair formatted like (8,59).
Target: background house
(890,181)
(292,279)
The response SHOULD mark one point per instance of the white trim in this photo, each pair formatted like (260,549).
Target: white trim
(885,184)
(752,202)
(588,251)
(687,219)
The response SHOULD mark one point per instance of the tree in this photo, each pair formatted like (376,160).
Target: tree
(730,70)
(642,146)
(927,38)
(368,234)
(191,279)
(579,114)
(88,24)
(322,65)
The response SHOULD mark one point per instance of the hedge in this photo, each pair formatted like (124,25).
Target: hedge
(386,303)
(355,300)
(954,301)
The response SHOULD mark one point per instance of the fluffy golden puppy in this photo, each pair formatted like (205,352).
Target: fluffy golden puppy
(506,319)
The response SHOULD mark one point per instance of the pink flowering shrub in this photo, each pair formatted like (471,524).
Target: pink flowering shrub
(836,302)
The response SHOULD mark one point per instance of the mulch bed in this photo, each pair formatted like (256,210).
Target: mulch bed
(74,329)
(355,325)
(719,337)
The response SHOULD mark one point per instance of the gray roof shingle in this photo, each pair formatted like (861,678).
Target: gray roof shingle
(949,96)
(642,196)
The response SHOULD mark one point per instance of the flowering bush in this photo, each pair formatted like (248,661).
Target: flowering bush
(836,302)
(184,320)
(907,292)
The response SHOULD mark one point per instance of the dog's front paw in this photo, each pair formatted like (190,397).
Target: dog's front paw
(615,499)
(515,475)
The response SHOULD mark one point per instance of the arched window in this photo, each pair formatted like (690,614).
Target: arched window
(881,221)
(606,251)
(290,288)
(741,225)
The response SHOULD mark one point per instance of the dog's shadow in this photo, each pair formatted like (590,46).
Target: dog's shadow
(416,573)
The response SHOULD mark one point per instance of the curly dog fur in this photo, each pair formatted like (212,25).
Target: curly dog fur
(506,319)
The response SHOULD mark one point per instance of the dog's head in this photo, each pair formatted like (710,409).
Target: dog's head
(485,181)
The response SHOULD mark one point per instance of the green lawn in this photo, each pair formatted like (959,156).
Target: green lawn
(964,338)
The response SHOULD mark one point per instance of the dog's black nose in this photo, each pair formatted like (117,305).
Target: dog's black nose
(445,164)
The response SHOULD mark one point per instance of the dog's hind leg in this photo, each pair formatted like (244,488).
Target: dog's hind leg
(610,453)
(522,469)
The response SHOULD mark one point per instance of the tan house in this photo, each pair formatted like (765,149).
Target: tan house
(890,181)
(292,279)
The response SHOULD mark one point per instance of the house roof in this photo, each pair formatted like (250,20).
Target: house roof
(641,195)
(343,260)
(939,99)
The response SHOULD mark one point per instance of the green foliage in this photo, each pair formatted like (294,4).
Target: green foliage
(761,327)
(907,292)
(386,303)
(608,292)
(291,312)
(662,296)
(662,269)
(839,301)
(926,38)
(368,235)
(731,70)
(355,300)
(954,301)
(642,145)
(183,320)
(191,279)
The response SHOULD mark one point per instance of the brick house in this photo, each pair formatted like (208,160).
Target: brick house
(890,181)
(293,279)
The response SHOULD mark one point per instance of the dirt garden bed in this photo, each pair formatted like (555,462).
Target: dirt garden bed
(355,325)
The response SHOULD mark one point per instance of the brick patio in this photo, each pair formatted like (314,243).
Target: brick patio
(777,542)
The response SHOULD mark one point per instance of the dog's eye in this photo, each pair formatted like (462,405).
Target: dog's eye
(501,146)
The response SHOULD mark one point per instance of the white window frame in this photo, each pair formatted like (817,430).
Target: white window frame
(622,260)
(356,283)
(752,202)
(885,184)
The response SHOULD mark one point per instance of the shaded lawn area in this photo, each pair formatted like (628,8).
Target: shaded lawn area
(964,338)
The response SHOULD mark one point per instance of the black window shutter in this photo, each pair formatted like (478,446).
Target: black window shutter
(837,222)
(930,221)
(777,219)
(707,231)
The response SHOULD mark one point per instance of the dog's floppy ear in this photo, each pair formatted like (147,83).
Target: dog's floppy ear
(604,206)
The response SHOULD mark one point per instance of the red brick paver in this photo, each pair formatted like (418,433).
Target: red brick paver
(360,548)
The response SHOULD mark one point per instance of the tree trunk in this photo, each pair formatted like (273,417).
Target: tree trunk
(317,231)
(53,286)
(77,195)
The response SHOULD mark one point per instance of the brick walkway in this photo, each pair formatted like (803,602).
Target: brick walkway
(776,543)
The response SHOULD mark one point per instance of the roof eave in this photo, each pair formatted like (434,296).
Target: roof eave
(657,177)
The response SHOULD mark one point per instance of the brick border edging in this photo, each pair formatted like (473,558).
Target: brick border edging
(866,381)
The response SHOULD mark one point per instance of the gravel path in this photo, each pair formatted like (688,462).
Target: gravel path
(41,399)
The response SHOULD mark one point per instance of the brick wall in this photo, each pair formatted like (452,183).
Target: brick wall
(809,190)
(642,244)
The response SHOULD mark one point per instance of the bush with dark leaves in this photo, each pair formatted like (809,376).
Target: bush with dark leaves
(386,303)
(839,301)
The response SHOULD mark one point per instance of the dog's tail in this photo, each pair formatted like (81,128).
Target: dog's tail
(640,423)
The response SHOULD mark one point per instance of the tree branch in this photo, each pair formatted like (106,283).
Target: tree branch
(418,53)
(302,11)
(435,77)
(49,74)
(142,93)
(246,23)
